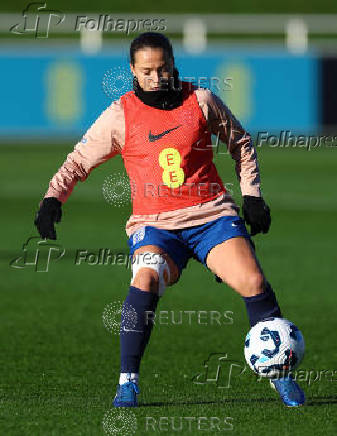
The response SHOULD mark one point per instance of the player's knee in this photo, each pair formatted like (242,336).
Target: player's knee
(252,285)
(146,279)
(150,272)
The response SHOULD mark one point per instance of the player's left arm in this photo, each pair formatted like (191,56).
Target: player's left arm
(239,143)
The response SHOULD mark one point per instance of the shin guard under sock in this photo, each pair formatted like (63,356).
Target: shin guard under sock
(262,306)
(136,325)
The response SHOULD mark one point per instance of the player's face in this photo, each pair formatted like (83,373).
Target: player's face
(152,68)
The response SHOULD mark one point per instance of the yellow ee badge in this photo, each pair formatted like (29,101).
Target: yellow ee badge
(170,160)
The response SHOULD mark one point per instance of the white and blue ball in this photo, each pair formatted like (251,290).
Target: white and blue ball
(274,347)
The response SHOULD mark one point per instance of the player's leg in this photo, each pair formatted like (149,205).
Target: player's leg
(147,278)
(224,246)
(154,267)
(235,263)
(153,272)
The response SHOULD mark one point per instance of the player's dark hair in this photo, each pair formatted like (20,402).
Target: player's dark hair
(153,40)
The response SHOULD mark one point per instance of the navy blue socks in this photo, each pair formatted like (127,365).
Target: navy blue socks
(262,306)
(138,315)
(136,326)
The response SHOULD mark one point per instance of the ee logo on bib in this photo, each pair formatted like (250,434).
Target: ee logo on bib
(170,160)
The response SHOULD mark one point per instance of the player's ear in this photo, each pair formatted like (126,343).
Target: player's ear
(132,69)
(170,64)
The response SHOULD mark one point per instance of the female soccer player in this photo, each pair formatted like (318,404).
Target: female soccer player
(181,208)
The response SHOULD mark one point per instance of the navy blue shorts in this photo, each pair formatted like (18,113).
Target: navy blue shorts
(194,241)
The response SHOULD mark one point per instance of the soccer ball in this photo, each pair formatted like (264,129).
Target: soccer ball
(274,347)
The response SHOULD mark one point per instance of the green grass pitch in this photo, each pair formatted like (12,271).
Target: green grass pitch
(60,364)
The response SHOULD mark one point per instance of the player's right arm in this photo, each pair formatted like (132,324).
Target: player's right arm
(103,140)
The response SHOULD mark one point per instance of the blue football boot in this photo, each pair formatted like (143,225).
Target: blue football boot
(126,395)
(291,394)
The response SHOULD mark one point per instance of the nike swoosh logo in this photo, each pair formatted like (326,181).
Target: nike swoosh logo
(131,330)
(153,138)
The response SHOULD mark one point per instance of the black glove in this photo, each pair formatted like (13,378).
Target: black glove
(257,214)
(50,212)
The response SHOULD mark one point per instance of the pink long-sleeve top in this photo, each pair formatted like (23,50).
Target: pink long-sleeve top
(106,138)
